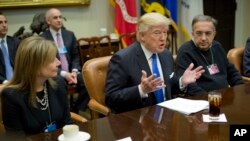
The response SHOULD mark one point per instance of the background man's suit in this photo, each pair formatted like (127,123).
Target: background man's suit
(12,48)
(73,58)
(246,59)
(70,43)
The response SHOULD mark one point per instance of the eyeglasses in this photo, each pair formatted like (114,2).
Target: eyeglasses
(207,33)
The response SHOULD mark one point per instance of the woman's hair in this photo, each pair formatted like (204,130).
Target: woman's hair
(149,20)
(32,54)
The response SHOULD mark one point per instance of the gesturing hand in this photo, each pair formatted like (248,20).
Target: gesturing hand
(151,83)
(190,76)
(71,78)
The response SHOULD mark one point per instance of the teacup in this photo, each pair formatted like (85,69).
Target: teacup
(70,131)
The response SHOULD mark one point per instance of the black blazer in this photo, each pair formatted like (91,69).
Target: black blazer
(19,116)
(12,48)
(124,76)
(246,59)
(70,43)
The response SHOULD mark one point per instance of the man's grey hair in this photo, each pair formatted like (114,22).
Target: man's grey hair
(205,18)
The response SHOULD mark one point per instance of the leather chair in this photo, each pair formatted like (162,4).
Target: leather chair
(235,56)
(77,118)
(94,72)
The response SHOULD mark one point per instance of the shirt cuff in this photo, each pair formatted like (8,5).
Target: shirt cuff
(143,95)
(182,87)
(63,73)
(75,70)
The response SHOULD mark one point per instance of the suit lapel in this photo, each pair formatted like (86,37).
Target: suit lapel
(166,70)
(142,60)
(143,65)
(48,35)
(2,58)
(11,50)
(164,67)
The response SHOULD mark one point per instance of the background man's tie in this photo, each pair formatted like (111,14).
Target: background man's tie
(158,93)
(63,59)
(8,67)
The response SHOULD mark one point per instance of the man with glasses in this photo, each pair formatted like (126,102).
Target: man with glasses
(204,51)
(142,74)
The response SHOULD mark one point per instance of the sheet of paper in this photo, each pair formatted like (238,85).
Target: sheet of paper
(185,106)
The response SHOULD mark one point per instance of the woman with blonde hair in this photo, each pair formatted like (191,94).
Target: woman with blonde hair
(35,100)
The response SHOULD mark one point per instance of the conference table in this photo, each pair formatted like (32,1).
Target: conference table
(143,124)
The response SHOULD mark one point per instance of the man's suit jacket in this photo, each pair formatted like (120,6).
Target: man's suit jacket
(12,48)
(73,58)
(124,76)
(246,59)
(70,43)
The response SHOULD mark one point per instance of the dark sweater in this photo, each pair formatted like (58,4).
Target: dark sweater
(227,75)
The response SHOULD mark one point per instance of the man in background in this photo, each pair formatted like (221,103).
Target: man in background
(68,55)
(8,49)
(246,59)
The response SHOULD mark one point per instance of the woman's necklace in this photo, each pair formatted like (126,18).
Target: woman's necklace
(44,101)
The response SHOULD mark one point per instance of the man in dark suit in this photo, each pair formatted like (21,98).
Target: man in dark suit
(67,54)
(132,80)
(8,51)
(246,59)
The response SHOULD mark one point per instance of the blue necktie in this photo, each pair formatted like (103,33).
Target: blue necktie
(158,114)
(158,93)
(8,67)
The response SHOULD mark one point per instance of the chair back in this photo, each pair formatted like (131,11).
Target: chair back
(235,56)
(93,47)
(94,72)
(128,37)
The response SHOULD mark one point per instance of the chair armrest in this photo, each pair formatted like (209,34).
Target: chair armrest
(2,129)
(246,79)
(77,118)
(96,106)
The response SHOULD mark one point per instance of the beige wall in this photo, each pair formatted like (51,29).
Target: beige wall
(87,20)
(242,23)
(84,20)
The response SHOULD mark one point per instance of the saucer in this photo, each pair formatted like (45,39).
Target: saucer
(82,136)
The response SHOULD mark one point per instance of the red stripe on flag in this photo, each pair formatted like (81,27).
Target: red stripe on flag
(125,17)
